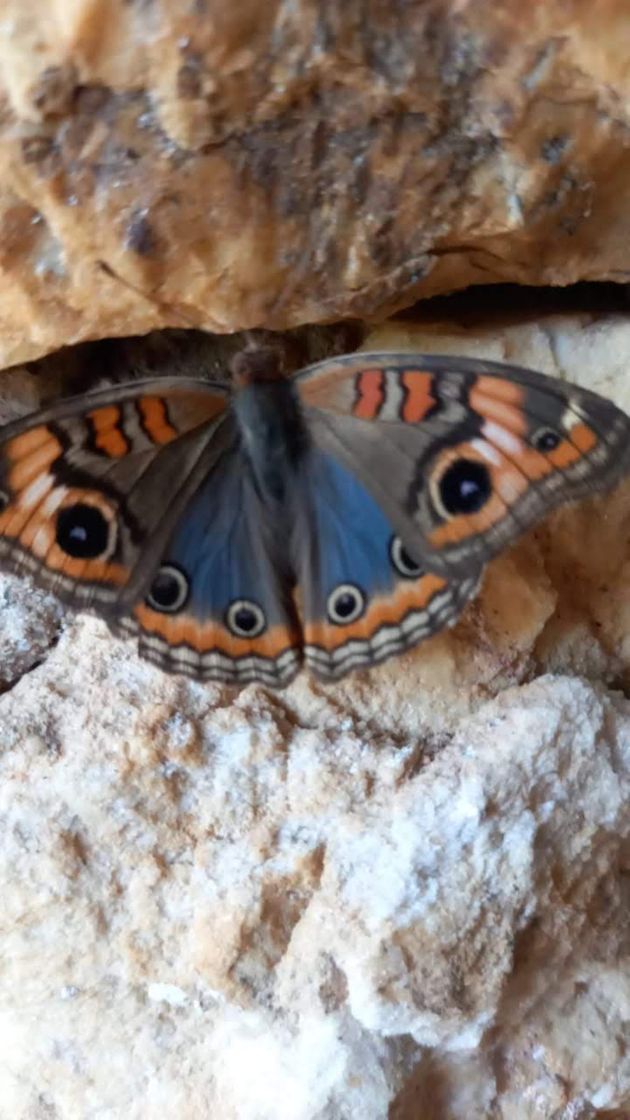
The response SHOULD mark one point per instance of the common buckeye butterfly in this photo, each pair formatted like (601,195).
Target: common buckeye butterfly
(334,518)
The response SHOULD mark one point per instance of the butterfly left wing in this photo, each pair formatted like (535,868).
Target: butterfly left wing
(361,596)
(462,455)
(89,487)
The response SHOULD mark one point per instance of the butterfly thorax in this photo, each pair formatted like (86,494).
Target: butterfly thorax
(272,432)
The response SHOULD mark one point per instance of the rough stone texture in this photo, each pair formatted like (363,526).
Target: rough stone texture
(404,897)
(272,164)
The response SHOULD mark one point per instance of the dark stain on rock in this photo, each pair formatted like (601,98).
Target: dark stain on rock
(42,151)
(92,99)
(140,236)
(554,148)
(189,84)
(53,92)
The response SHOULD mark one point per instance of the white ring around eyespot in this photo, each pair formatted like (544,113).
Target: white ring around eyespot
(182,585)
(546,429)
(247,605)
(345,589)
(396,549)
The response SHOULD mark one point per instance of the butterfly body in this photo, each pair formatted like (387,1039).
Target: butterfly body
(271,431)
(336,517)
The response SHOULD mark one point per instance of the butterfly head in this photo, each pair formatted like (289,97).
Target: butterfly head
(258,365)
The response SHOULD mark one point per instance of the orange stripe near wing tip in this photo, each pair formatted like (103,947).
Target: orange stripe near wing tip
(27,442)
(499,408)
(204,637)
(583,437)
(384,610)
(500,389)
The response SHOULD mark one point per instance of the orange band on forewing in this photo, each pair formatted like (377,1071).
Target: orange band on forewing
(382,611)
(503,409)
(155,420)
(419,395)
(508,483)
(206,636)
(88,571)
(583,437)
(511,417)
(27,470)
(108,435)
(35,532)
(581,440)
(31,519)
(468,525)
(30,457)
(499,388)
(21,446)
(370,394)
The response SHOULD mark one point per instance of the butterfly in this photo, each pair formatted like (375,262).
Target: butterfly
(332,518)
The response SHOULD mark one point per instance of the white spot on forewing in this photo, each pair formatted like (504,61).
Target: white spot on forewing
(51,504)
(487,452)
(34,493)
(502,438)
(573,411)
(393,397)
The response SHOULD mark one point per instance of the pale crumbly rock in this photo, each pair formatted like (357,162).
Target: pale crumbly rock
(400,897)
(271,164)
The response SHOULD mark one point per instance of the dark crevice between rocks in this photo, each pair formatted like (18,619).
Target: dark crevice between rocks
(515,300)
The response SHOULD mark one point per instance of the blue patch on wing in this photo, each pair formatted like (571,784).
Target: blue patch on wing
(349,536)
(224,547)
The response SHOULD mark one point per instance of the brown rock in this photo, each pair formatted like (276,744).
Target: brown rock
(247,164)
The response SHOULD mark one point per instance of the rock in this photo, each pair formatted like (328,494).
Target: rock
(398,896)
(29,627)
(247,165)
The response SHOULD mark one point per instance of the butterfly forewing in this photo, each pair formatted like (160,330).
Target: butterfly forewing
(88,487)
(463,455)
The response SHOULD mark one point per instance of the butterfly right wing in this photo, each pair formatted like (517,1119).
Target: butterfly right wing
(362,597)
(463,455)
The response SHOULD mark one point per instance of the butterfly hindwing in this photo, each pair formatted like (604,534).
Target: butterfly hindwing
(219,605)
(362,596)
(88,487)
(463,455)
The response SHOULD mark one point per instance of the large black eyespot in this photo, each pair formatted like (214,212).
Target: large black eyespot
(82,531)
(4,500)
(169,590)
(404,564)
(465,487)
(546,439)
(245,619)
(345,604)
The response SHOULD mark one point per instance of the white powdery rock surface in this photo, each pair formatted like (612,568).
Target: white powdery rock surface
(240,910)
(403,897)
